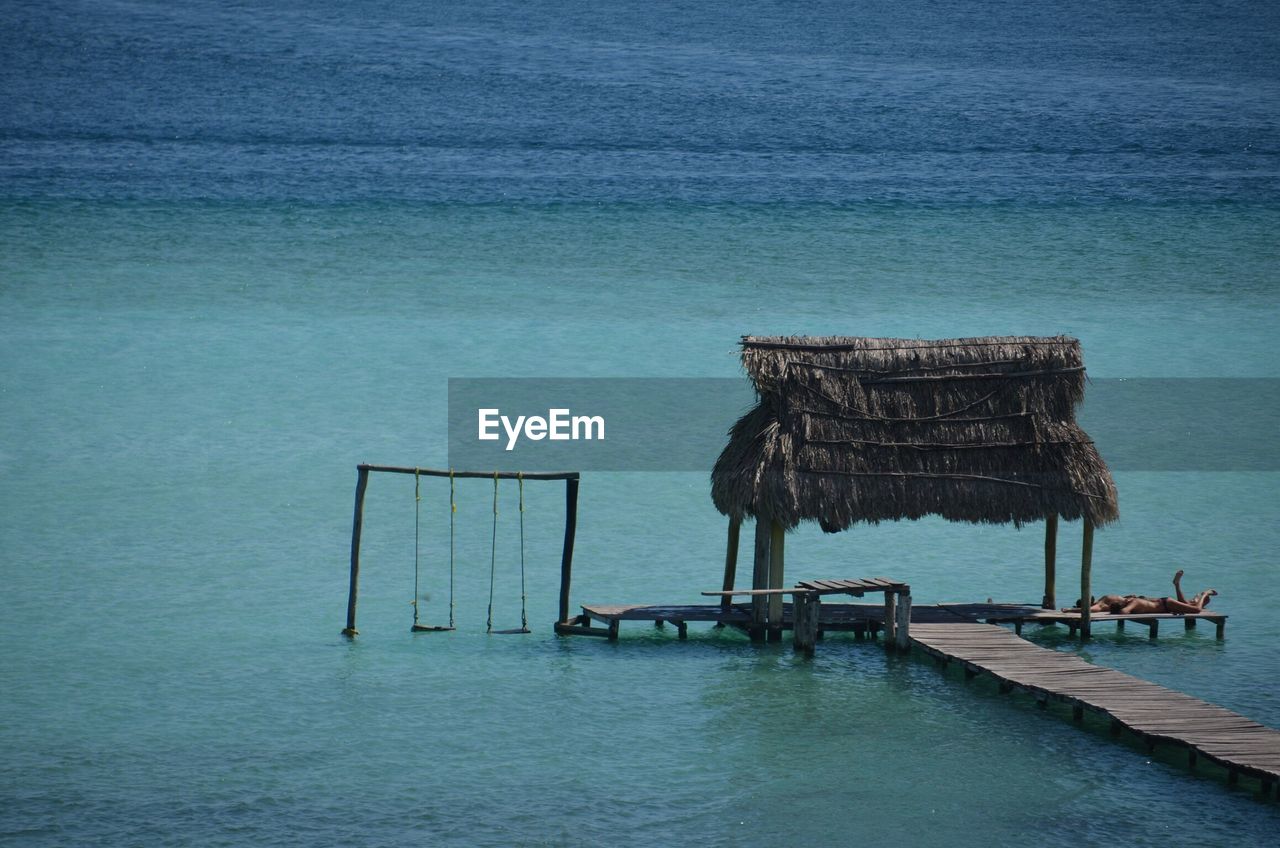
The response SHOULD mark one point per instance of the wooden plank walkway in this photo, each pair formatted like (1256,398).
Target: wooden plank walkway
(1154,713)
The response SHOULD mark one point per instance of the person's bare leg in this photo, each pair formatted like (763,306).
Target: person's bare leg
(1177,585)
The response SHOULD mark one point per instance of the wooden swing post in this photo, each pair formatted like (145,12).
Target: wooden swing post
(357,522)
(566,551)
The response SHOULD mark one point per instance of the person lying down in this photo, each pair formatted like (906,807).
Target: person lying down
(1131,604)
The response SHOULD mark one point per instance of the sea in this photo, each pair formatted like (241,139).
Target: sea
(244,247)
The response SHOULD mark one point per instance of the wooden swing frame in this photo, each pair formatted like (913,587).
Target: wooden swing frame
(571,479)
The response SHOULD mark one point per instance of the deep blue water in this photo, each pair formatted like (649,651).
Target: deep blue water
(242,249)
(606,102)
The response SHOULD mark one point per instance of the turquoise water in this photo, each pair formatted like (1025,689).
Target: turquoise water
(247,249)
(180,433)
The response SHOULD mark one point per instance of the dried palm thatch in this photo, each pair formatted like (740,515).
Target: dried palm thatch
(863,429)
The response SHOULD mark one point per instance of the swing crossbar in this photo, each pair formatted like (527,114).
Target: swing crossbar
(475,475)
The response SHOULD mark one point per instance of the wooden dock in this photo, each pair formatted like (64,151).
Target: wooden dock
(862,619)
(1154,713)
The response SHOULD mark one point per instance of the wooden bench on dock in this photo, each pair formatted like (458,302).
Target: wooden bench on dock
(897,605)
(806,610)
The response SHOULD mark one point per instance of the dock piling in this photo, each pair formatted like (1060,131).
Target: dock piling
(902,626)
(807,610)
(890,619)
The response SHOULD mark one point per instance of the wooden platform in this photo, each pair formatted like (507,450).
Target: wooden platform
(864,618)
(1149,620)
(678,615)
(857,618)
(1154,713)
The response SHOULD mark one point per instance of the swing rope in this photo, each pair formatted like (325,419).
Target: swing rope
(524,618)
(417,501)
(493,554)
(493,560)
(418,597)
(453,510)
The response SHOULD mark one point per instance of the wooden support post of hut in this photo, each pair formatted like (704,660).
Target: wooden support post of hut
(731,561)
(1086,578)
(1050,561)
(760,577)
(777,543)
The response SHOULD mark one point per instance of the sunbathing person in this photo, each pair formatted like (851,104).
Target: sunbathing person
(1178,606)
(1140,604)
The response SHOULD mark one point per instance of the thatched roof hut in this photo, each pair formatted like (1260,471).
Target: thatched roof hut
(865,429)
(862,429)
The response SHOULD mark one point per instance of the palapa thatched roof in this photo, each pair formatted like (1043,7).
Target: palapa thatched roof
(863,429)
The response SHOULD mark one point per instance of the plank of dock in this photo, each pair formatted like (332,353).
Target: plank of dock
(1149,710)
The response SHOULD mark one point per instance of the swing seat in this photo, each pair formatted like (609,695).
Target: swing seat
(430,628)
(511,631)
